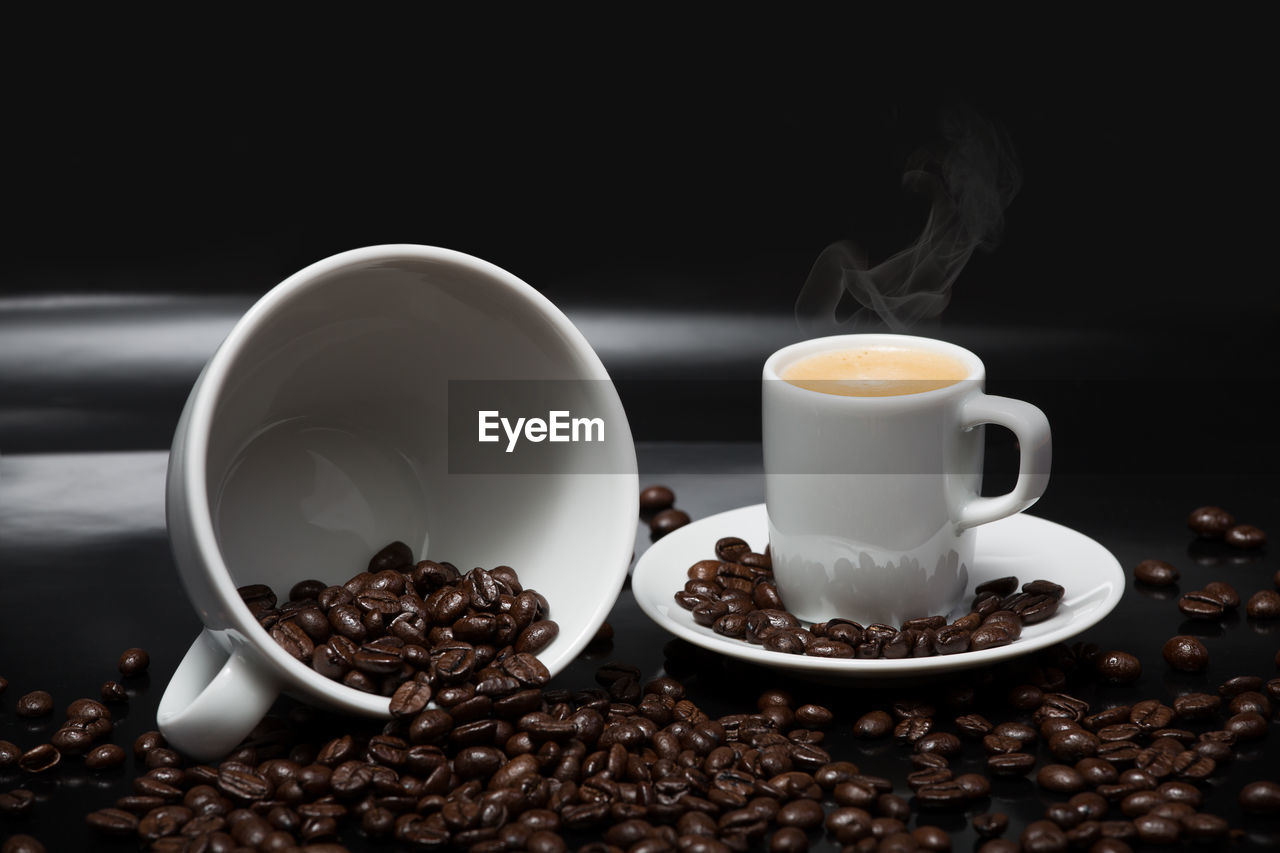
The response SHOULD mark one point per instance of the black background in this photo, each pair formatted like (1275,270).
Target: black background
(686,175)
(675,178)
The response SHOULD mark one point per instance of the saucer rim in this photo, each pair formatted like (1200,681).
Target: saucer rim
(649,565)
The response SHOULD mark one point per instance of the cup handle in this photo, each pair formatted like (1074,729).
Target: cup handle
(214,699)
(1031,427)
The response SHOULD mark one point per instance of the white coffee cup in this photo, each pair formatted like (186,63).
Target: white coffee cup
(873,501)
(317,434)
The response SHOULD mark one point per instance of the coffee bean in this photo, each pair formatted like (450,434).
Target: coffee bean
(1264,605)
(113,822)
(104,757)
(931,838)
(1245,536)
(1153,829)
(1247,726)
(1186,653)
(1000,586)
(1073,745)
(133,662)
(1250,701)
(37,703)
(666,521)
(1011,764)
(40,758)
(1211,522)
(1117,667)
(410,699)
(1203,827)
(22,843)
(1224,592)
(654,499)
(1262,797)
(1155,573)
(990,824)
(990,637)
(873,724)
(113,691)
(1150,714)
(9,754)
(1043,836)
(1060,778)
(16,802)
(1200,605)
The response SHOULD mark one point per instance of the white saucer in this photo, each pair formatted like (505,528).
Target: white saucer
(1022,545)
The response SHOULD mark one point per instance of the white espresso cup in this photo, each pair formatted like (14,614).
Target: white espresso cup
(873,500)
(317,434)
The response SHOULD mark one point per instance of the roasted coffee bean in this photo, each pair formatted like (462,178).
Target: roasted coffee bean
(22,843)
(1186,653)
(1043,836)
(1060,778)
(990,637)
(1262,797)
(104,757)
(1247,726)
(950,641)
(1044,587)
(37,703)
(1239,684)
(951,794)
(1155,573)
(113,691)
(1118,667)
(1204,827)
(1150,715)
(410,699)
(1200,605)
(973,725)
(1250,701)
(666,521)
(1073,745)
(1224,592)
(1211,522)
(654,499)
(9,754)
(873,724)
(1097,771)
(113,822)
(999,586)
(16,802)
(40,758)
(1011,764)
(133,662)
(1264,604)
(1196,706)
(990,824)
(1245,536)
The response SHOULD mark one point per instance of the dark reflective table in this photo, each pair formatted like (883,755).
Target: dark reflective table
(85,572)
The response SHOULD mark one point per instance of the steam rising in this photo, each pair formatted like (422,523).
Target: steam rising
(970,179)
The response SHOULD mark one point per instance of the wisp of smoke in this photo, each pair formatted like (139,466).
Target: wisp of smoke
(970,181)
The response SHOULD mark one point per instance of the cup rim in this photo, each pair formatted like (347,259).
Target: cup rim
(212,385)
(784,357)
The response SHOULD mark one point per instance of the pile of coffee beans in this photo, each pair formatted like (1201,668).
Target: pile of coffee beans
(88,722)
(490,758)
(404,629)
(736,596)
(1214,522)
(657,507)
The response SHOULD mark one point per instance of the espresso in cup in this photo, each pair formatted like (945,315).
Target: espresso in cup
(885,371)
(873,473)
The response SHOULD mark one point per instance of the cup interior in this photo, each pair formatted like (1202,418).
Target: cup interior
(327,437)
